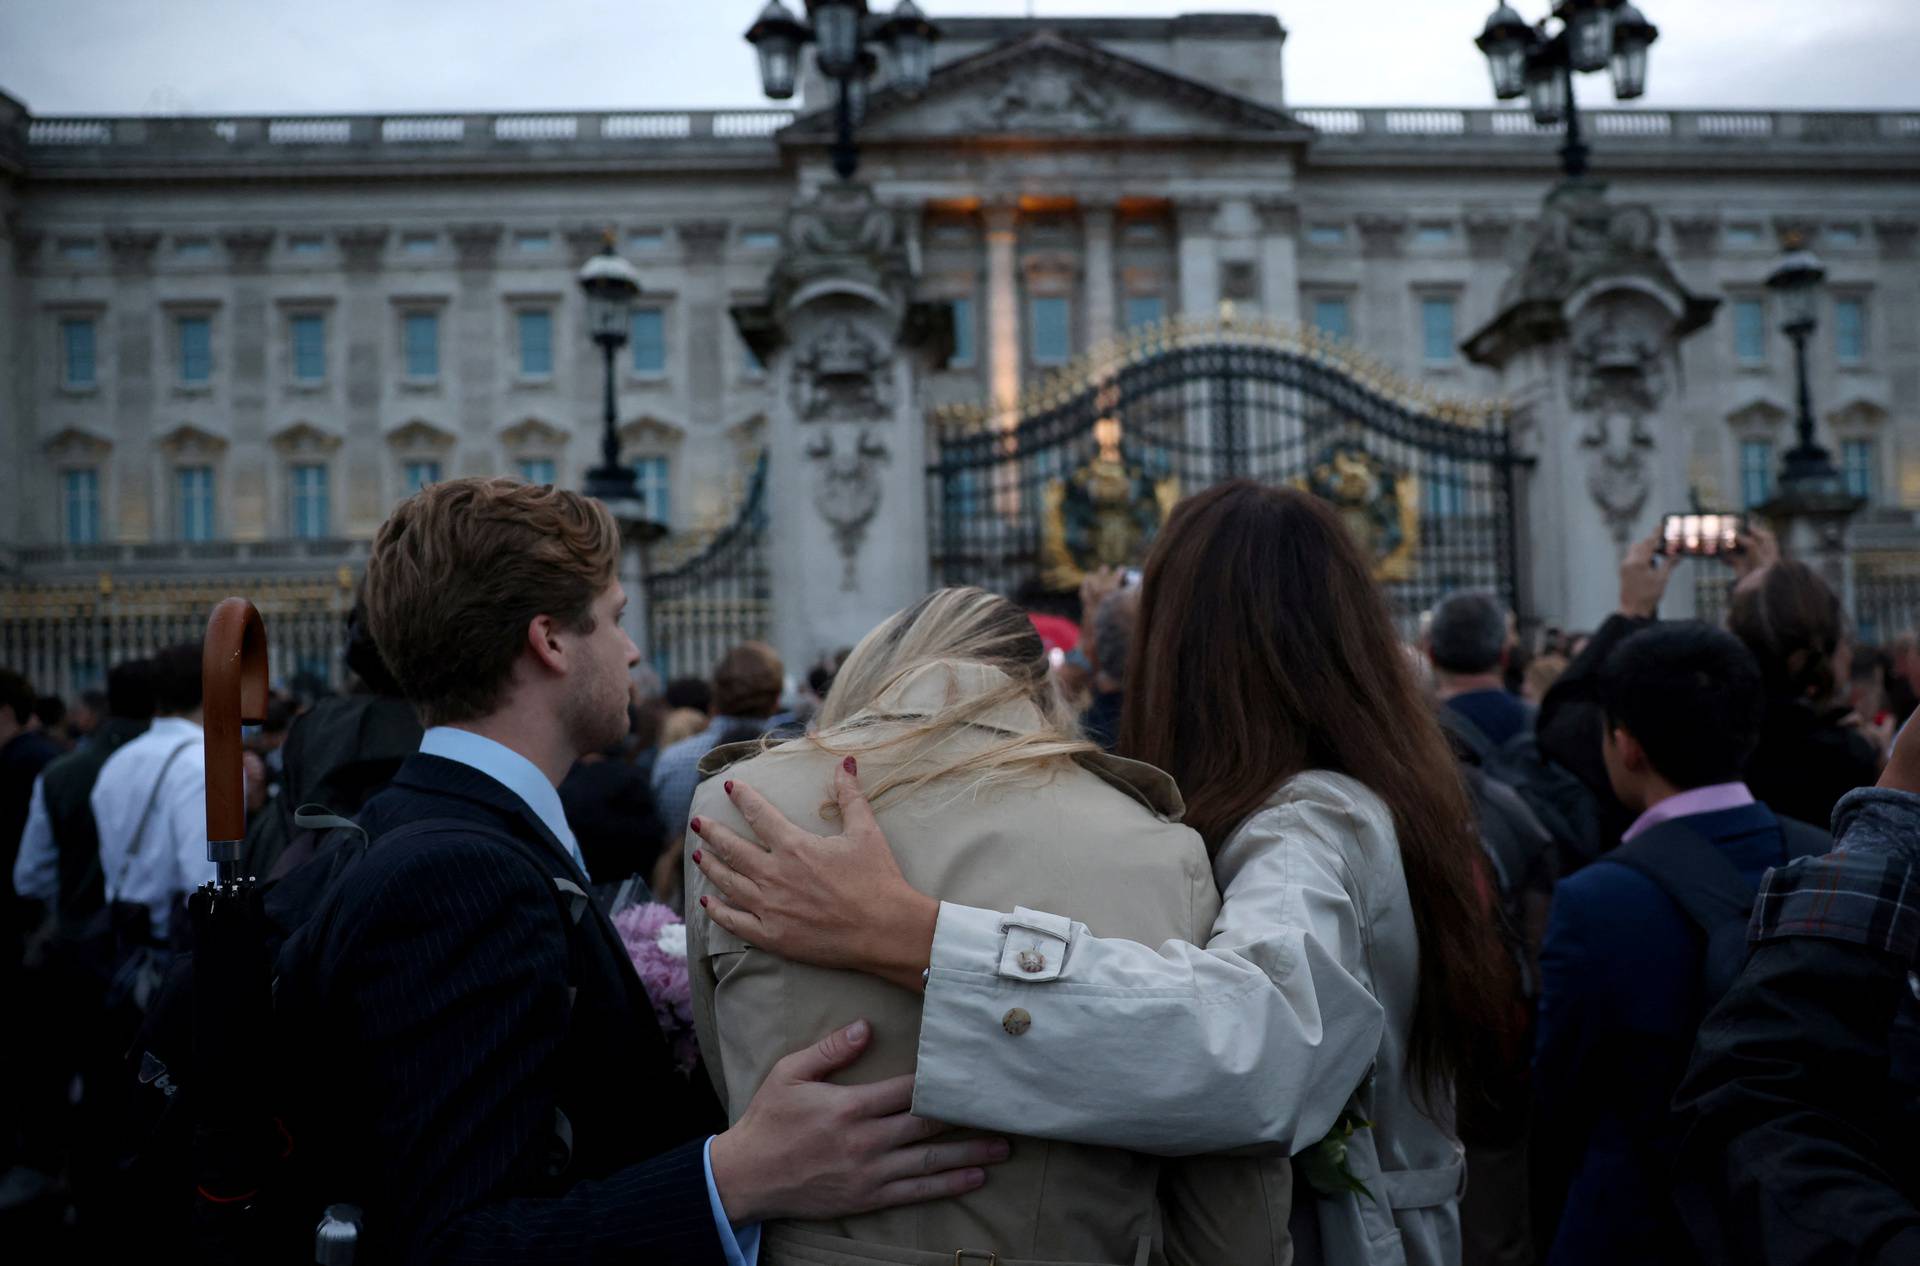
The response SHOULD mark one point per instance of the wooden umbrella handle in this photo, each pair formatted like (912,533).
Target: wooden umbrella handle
(234,693)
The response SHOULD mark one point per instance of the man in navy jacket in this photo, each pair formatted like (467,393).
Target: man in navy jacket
(495,1086)
(1621,967)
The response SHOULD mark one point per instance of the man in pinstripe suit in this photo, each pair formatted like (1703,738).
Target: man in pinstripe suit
(492,1085)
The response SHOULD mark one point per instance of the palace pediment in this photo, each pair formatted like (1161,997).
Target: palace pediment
(1052,86)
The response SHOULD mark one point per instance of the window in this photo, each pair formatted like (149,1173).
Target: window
(1849,331)
(1144,310)
(1743,235)
(761,239)
(1445,491)
(536,343)
(656,487)
(193,247)
(420,342)
(1436,329)
(196,349)
(307,244)
(1433,234)
(310,510)
(644,240)
(1142,233)
(966,350)
(420,474)
(1050,341)
(1843,235)
(537,470)
(953,233)
(309,348)
(193,500)
(1750,331)
(1326,234)
(82,489)
(1756,472)
(649,342)
(1330,316)
(76,352)
(1858,465)
(419,243)
(78,248)
(532,240)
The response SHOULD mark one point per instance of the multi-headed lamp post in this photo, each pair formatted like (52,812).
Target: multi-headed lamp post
(611,286)
(845,35)
(1797,279)
(1531,62)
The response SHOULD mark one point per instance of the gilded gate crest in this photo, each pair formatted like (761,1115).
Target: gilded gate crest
(1104,514)
(1380,508)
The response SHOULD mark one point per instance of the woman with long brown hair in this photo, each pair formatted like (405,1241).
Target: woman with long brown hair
(1268,679)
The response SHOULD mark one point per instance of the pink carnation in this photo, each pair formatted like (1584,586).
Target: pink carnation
(656,942)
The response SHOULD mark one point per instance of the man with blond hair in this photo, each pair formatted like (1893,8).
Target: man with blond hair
(495,1085)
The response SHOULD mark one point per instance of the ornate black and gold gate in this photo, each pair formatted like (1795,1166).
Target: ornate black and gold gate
(1086,469)
(717,597)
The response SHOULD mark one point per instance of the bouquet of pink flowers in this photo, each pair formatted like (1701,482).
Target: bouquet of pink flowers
(656,941)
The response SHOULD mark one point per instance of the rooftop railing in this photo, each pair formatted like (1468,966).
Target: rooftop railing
(1821,126)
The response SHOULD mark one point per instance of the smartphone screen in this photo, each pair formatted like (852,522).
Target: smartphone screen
(1701,535)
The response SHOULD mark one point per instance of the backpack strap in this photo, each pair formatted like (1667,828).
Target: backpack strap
(1701,879)
(146,815)
(1469,735)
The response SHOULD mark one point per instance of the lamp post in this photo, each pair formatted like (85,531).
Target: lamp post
(845,36)
(611,285)
(1540,65)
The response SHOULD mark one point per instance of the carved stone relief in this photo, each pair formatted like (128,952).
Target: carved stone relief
(847,491)
(1047,99)
(841,373)
(1617,378)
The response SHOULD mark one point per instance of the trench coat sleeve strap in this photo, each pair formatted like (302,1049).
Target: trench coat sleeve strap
(1035,1026)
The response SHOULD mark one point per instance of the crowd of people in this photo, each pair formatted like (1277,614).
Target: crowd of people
(1232,923)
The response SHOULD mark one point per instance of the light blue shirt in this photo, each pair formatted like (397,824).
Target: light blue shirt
(511,770)
(523,778)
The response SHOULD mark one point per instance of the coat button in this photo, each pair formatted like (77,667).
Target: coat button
(1032,961)
(1016,1022)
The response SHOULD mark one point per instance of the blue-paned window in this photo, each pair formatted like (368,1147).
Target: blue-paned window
(1849,331)
(1436,329)
(655,476)
(196,349)
(536,343)
(311,513)
(1050,336)
(193,499)
(1445,491)
(1144,310)
(82,497)
(649,341)
(1859,465)
(1330,316)
(420,340)
(309,348)
(537,470)
(420,474)
(1750,331)
(965,343)
(77,352)
(1756,472)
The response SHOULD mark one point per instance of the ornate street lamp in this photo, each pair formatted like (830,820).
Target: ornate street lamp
(611,286)
(1796,281)
(844,35)
(1531,62)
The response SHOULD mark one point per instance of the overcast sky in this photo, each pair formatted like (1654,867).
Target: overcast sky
(215,56)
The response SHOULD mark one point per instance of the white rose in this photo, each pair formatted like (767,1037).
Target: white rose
(673,940)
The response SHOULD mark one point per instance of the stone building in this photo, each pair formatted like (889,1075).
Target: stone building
(231,343)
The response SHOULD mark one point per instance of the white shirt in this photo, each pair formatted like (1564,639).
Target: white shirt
(173,854)
(511,770)
(36,868)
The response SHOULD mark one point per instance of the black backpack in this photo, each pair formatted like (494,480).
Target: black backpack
(1716,897)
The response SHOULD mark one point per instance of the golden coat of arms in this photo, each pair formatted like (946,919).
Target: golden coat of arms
(1105,514)
(1381,508)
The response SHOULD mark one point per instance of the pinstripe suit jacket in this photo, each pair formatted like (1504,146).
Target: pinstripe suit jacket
(440,974)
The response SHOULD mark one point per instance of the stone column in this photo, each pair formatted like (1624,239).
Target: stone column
(248,461)
(1003,305)
(17,525)
(1199,254)
(482,357)
(368,327)
(140,513)
(1096,224)
(1587,342)
(1279,258)
(845,348)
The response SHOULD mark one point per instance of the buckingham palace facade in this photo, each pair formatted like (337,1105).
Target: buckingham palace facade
(231,343)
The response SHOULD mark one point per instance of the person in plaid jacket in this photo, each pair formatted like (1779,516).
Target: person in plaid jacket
(1803,1100)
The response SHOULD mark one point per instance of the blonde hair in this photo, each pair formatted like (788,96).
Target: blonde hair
(458,571)
(950,627)
(681,723)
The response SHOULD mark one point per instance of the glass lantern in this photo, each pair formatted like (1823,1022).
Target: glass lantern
(776,35)
(1632,36)
(1506,41)
(1589,34)
(1547,86)
(909,37)
(611,285)
(836,29)
(1796,279)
